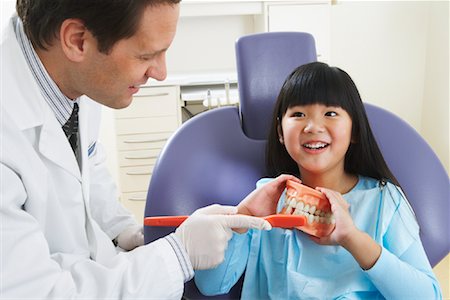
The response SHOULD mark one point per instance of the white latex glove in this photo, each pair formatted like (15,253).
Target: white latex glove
(205,234)
(131,238)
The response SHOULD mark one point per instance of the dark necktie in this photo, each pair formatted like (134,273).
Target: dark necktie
(71,128)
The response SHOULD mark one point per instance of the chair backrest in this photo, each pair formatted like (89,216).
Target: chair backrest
(421,175)
(263,63)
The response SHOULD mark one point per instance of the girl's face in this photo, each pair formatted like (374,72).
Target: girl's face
(317,138)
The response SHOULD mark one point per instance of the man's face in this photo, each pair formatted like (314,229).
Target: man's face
(112,79)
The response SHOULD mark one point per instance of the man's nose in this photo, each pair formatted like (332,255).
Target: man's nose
(158,70)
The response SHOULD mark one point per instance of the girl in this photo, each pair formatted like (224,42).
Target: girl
(321,134)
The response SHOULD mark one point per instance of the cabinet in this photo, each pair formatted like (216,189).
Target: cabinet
(142,129)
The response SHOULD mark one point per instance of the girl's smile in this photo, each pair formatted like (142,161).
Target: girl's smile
(315,147)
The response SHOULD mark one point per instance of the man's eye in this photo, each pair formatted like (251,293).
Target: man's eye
(331,114)
(146,57)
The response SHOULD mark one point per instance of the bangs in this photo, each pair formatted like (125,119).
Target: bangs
(315,84)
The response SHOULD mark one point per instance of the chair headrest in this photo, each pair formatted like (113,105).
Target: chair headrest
(264,61)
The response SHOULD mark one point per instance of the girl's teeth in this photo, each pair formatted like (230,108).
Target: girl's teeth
(315,146)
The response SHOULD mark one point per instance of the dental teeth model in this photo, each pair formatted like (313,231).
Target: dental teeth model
(303,200)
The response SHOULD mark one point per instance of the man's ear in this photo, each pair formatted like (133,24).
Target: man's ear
(73,36)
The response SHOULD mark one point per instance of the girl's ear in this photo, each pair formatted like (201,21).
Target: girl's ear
(355,133)
(354,140)
(280,133)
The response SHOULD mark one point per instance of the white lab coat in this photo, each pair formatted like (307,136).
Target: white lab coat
(57,223)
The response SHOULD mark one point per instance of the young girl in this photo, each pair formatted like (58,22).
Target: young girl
(321,134)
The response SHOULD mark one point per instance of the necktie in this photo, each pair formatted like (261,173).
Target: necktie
(71,128)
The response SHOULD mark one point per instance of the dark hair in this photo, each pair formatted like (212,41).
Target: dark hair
(108,20)
(318,83)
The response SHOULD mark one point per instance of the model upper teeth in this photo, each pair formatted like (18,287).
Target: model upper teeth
(296,206)
(315,145)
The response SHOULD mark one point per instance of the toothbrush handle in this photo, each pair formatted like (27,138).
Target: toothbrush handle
(168,221)
(282,221)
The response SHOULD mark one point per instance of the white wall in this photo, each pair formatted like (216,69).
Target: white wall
(207,43)
(382,45)
(397,53)
(435,106)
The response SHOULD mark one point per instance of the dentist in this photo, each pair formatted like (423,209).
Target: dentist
(59,214)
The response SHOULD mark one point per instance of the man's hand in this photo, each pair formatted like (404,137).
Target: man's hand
(131,238)
(263,201)
(205,234)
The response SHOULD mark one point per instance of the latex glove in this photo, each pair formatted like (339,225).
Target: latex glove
(205,234)
(131,238)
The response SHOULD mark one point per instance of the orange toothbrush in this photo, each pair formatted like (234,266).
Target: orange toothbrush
(281,221)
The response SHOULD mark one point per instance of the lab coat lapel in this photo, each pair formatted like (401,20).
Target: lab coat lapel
(54,145)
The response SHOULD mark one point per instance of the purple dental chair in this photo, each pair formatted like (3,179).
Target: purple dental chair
(217,156)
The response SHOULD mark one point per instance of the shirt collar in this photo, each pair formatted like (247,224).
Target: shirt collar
(61,105)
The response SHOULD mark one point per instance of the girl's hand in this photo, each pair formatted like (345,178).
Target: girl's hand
(263,201)
(345,227)
(360,245)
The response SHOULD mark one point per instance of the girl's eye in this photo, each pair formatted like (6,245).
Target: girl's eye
(331,114)
(298,114)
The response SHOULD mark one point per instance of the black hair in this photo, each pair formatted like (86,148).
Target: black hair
(108,20)
(318,83)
